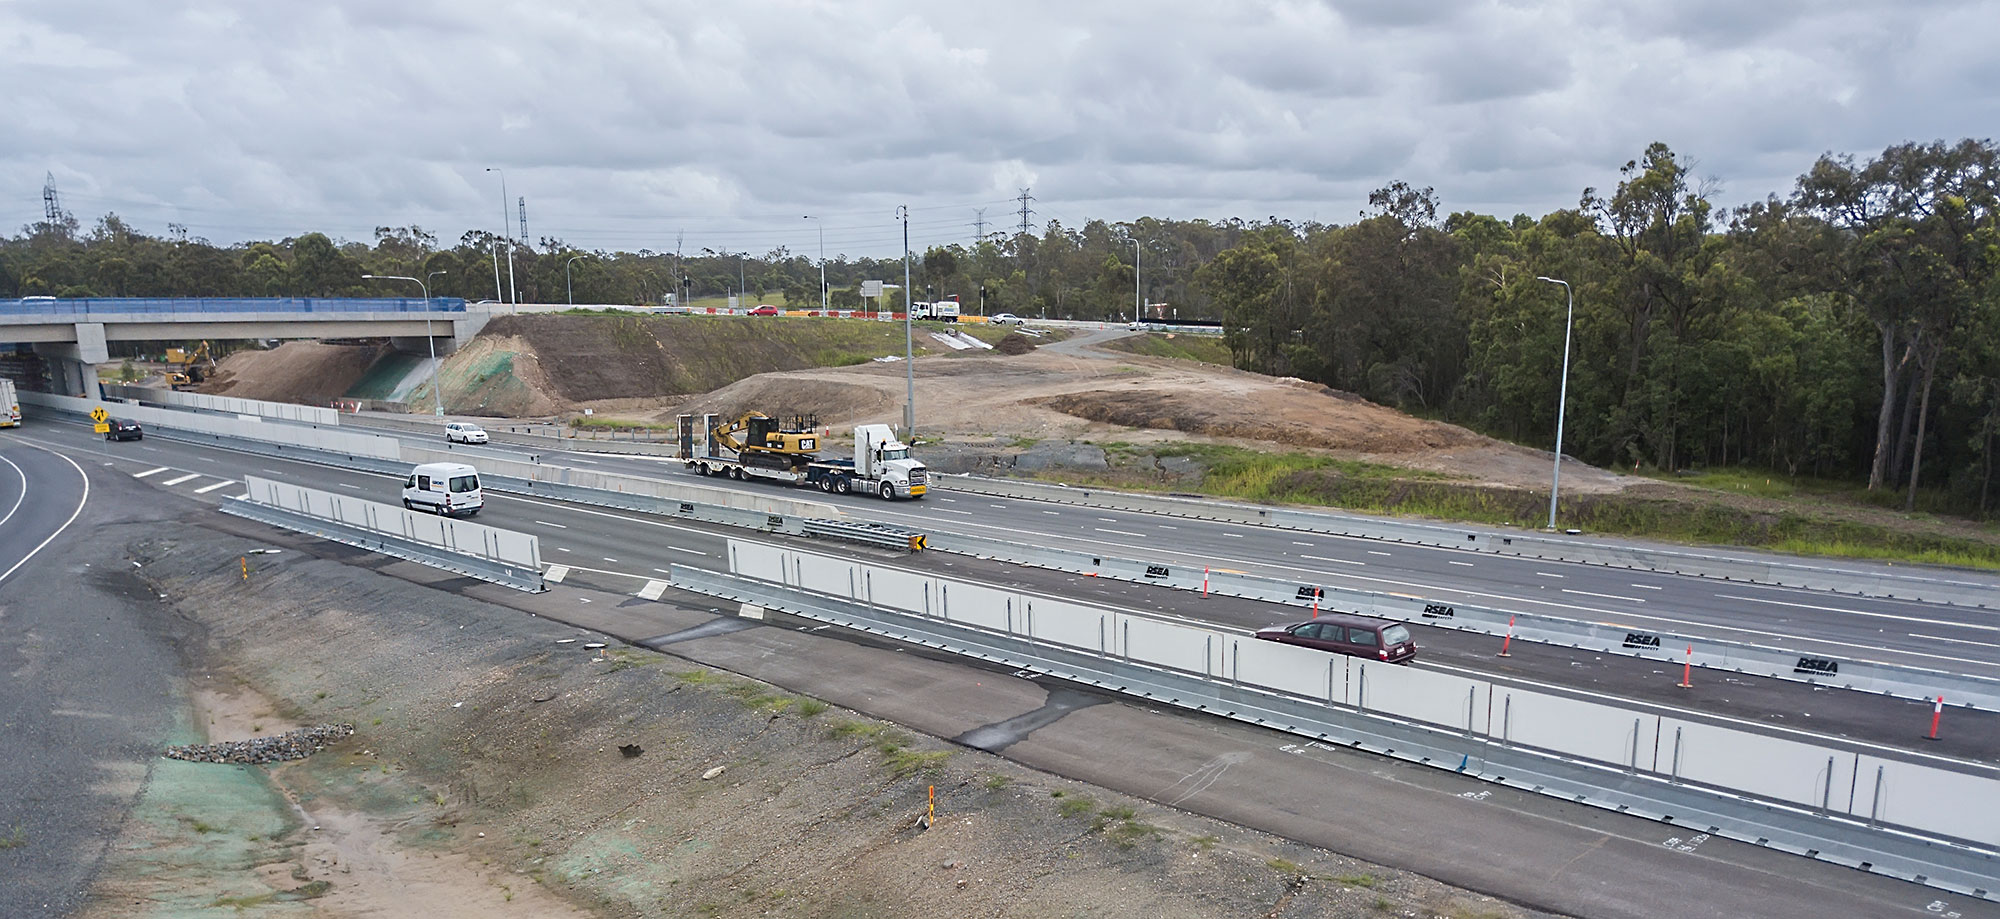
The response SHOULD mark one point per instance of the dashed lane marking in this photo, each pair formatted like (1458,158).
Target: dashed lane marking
(154,471)
(205,489)
(180,479)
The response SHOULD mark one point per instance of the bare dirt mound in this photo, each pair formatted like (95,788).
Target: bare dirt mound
(1325,419)
(303,372)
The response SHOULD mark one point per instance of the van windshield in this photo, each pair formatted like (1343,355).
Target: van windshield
(1395,635)
(464,483)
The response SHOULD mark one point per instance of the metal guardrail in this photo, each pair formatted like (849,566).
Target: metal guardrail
(874,534)
(1942,586)
(1827,837)
(1670,647)
(485,569)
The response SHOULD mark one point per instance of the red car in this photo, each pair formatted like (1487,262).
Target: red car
(1361,636)
(765,310)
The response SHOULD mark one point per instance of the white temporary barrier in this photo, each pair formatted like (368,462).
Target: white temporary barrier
(373,446)
(460,536)
(1799,772)
(306,414)
(625,484)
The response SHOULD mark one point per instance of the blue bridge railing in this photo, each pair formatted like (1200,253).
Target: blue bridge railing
(189,306)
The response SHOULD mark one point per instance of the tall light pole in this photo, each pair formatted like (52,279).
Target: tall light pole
(507,230)
(1562,400)
(821,224)
(909,350)
(437,394)
(1137,303)
(566,285)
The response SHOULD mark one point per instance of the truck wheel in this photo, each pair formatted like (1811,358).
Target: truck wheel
(826,485)
(888,492)
(842,485)
(408,506)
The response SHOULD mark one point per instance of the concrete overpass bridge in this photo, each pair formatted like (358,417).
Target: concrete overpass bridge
(72,334)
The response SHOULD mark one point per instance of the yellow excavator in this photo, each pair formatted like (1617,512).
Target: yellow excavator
(188,368)
(768,442)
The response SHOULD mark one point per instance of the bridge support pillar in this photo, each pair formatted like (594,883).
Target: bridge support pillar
(72,367)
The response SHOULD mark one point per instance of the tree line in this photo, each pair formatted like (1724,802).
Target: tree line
(1848,329)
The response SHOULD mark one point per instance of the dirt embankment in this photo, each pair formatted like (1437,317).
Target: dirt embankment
(303,372)
(501,767)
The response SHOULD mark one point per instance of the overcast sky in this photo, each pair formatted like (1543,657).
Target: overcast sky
(625,124)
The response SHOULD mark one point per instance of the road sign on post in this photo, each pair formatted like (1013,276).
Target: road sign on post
(99,415)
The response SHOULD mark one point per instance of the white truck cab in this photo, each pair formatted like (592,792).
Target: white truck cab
(884,462)
(449,489)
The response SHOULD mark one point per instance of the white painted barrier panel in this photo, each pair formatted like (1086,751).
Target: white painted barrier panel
(1588,730)
(369,445)
(1772,767)
(980,606)
(824,574)
(1070,624)
(903,590)
(1952,803)
(757,560)
(1289,668)
(307,414)
(1443,699)
(505,546)
(1169,644)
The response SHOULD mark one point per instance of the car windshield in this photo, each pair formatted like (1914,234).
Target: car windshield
(1395,635)
(898,453)
(464,483)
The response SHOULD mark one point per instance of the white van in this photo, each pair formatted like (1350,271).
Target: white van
(444,488)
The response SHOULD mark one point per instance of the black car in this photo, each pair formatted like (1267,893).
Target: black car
(123,429)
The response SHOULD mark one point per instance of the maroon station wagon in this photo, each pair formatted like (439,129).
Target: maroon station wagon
(1361,636)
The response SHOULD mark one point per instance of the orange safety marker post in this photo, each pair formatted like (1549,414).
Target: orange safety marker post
(1937,714)
(1315,603)
(1204,582)
(930,815)
(1509,640)
(1687,670)
(246,566)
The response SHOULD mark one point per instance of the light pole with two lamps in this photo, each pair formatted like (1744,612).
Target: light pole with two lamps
(507,229)
(1562,399)
(437,395)
(1137,303)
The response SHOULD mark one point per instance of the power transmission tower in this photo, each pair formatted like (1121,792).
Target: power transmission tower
(51,201)
(524,220)
(979,225)
(1025,210)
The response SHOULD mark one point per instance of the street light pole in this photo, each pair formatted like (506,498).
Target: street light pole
(437,394)
(506,228)
(1562,400)
(1137,303)
(566,285)
(821,224)
(909,350)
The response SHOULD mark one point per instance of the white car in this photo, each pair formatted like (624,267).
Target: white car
(1006,319)
(464,432)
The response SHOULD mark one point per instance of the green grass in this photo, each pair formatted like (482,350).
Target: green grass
(15,838)
(1208,349)
(1308,479)
(1283,866)
(1358,880)
(601,423)
(1076,807)
(810,707)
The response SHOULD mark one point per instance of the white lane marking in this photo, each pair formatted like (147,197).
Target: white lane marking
(663,571)
(609,559)
(23,496)
(940,498)
(1648,587)
(688,551)
(1053,513)
(179,479)
(561,549)
(579,459)
(1099,520)
(1297,543)
(953,510)
(341,484)
(205,489)
(1863,612)
(1119,532)
(1234,535)
(1698,715)
(1000,506)
(1465,564)
(1165,527)
(1550,574)
(80,502)
(1373,552)
(548,524)
(149,449)
(1604,596)
(1343,561)
(1956,641)
(153,471)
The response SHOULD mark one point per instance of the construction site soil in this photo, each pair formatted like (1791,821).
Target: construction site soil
(503,765)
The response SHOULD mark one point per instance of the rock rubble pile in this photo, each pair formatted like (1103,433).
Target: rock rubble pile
(290,745)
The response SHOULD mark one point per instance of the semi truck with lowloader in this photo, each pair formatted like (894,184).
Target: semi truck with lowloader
(756,445)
